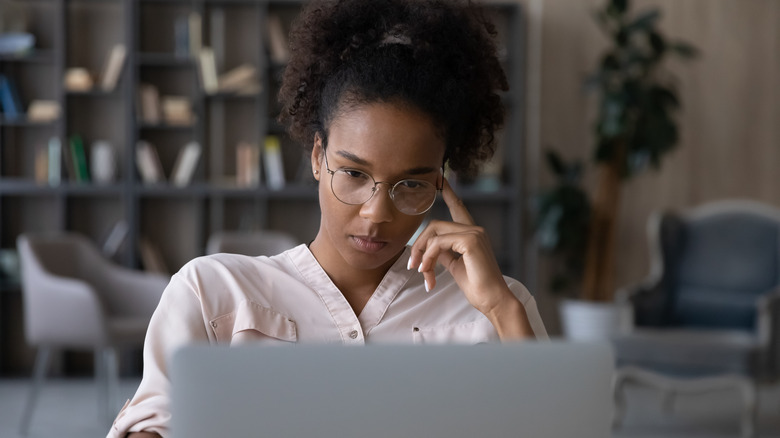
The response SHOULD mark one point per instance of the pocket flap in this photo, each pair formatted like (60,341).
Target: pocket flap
(252,316)
(477,332)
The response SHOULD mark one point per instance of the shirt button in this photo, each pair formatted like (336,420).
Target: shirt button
(353,334)
(213,324)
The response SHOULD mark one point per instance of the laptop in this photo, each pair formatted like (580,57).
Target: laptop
(537,389)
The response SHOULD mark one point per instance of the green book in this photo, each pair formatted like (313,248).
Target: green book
(79,159)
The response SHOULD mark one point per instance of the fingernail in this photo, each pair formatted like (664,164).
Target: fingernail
(419,268)
(409,264)
(427,288)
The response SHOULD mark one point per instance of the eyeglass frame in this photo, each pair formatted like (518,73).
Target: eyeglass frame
(374,189)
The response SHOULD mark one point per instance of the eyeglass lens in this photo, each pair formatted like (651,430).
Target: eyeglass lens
(409,196)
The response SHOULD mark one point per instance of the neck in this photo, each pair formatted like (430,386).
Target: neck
(354,283)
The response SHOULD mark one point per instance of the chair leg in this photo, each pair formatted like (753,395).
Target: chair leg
(750,411)
(42,360)
(108,380)
(619,397)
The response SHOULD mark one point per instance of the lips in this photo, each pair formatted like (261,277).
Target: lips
(368,244)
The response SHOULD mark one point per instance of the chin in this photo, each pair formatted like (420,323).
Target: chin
(370,258)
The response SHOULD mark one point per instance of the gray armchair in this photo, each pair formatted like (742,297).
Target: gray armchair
(74,298)
(708,316)
(252,243)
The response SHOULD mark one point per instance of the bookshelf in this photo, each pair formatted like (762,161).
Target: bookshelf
(81,33)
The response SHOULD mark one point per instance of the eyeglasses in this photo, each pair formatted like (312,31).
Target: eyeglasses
(354,187)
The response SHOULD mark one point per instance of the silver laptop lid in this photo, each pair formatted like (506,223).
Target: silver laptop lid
(550,389)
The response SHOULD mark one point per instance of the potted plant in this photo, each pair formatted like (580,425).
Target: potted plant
(634,129)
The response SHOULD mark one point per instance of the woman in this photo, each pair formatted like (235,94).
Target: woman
(385,93)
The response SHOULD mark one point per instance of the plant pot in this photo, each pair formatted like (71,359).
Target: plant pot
(593,321)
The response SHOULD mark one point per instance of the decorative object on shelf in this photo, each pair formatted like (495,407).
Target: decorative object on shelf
(148,162)
(113,67)
(272,158)
(78,79)
(635,127)
(103,162)
(43,111)
(185,164)
(16,43)
(10,101)
(241,80)
(177,110)
(247,165)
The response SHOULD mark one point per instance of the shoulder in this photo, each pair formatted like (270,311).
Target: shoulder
(225,264)
(221,278)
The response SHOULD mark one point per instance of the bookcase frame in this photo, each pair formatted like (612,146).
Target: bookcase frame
(180,219)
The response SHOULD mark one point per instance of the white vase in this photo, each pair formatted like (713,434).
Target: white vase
(592,321)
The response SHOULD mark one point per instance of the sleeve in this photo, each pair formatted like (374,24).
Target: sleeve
(531,311)
(178,320)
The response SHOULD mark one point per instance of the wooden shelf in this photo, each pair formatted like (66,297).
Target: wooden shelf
(182,218)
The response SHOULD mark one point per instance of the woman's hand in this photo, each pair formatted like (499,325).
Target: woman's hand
(464,250)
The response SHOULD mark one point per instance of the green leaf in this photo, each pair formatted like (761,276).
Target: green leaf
(555,163)
(610,62)
(658,43)
(645,21)
(618,7)
(685,50)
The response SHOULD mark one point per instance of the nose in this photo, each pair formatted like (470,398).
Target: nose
(380,207)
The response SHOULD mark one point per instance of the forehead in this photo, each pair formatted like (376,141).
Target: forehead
(387,135)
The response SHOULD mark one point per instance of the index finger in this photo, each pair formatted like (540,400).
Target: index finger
(458,210)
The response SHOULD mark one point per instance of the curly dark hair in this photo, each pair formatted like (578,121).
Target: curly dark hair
(436,55)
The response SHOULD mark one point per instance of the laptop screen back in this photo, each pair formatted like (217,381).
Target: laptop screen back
(550,389)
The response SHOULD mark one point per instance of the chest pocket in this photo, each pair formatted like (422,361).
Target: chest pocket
(251,323)
(477,332)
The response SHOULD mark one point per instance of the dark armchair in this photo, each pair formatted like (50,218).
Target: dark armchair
(708,315)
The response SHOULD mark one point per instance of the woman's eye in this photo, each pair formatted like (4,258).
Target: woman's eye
(355,174)
(411,184)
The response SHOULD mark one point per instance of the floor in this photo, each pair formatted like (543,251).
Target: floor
(68,408)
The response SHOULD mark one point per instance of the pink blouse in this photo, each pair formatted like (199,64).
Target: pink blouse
(232,299)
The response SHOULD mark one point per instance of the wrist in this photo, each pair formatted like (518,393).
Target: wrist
(509,319)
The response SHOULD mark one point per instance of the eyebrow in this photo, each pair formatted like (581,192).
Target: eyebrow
(362,162)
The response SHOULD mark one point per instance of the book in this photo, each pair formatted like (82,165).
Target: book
(116,237)
(177,110)
(240,78)
(277,40)
(151,257)
(102,162)
(9,99)
(41,165)
(247,165)
(79,159)
(43,111)
(69,166)
(113,67)
(181,36)
(148,162)
(195,33)
(272,158)
(55,161)
(149,104)
(208,71)
(185,164)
